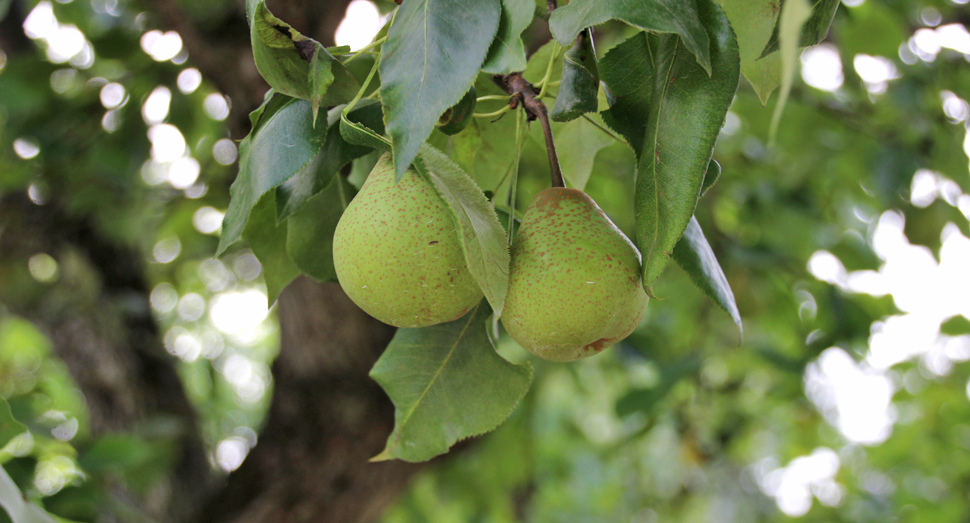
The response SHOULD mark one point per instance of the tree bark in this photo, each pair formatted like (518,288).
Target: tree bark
(327,418)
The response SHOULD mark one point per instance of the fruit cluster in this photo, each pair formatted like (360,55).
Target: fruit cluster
(574,283)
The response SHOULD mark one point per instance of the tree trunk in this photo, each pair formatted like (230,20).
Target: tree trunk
(327,418)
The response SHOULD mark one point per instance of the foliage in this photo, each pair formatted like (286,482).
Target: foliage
(675,423)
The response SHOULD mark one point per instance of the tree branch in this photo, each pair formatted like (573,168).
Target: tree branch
(523,92)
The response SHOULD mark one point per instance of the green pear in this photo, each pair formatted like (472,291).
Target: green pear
(397,254)
(574,284)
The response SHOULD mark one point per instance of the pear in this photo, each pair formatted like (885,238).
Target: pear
(574,284)
(397,254)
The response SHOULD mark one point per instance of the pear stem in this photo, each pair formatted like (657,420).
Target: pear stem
(525,93)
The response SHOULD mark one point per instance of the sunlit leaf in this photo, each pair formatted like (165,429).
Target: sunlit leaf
(662,16)
(447,384)
(431,57)
(753,22)
(812,32)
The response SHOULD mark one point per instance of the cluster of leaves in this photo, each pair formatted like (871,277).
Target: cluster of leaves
(665,90)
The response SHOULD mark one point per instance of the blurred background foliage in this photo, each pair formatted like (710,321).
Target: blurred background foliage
(846,244)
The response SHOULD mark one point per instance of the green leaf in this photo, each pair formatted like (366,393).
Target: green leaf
(695,255)
(793,16)
(711,176)
(309,231)
(447,383)
(507,53)
(646,400)
(956,326)
(627,72)
(430,59)
(577,143)
(17,508)
(335,153)
(662,16)
(536,68)
(482,237)
(753,21)
(295,65)
(814,30)
(284,144)
(358,134)
(9,427)
(683,109)
(580,82)
(267,239)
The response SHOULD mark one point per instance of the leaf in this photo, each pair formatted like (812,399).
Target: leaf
(430,59)
(482,237)
(17,508)
(793,15)
(626,70)
(577,143)
(309,231)
(295,65)
(335,153)
(447,383)
(695,255)
(539,61)
(645,400)
(267,239)
(814,30)
(507,52)
(683,109)
(283,145)
(662,16)
(580,82)
(753,21)
(9,427)
(359,134)
(956,326)
(711,176)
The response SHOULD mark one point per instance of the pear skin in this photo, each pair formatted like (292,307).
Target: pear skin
(574,286)
(397,253)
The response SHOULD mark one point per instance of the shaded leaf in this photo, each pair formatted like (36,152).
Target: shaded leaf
(482,238)
(711,176)
(335,153)
(458,116)
(626,70)
(577,143)
(280,147)
(430,59)
(447,383)
(683,109)
(753,22)
(507,52)
(295,65)
(580,82)
(267,239)
(309,231)
(695,255)
(814,30)
(17,508)
(645,400)
(662,16)
(357,133)
(9,427)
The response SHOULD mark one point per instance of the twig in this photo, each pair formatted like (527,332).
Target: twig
(525,93)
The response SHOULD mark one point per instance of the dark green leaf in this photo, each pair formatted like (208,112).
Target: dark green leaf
(683,111)
(295,65)
(17,508)
(956,326)
(430,59)
(507,53)
(283,145)
(662,16)
(695,255)
(334,155)
(267,239)
(9,427)
(309,231)
(626,70)
(580,83)
(711,176)
(814,30)
(753,21)
(358,134)
(482,238)
(458,116)
(447,384)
